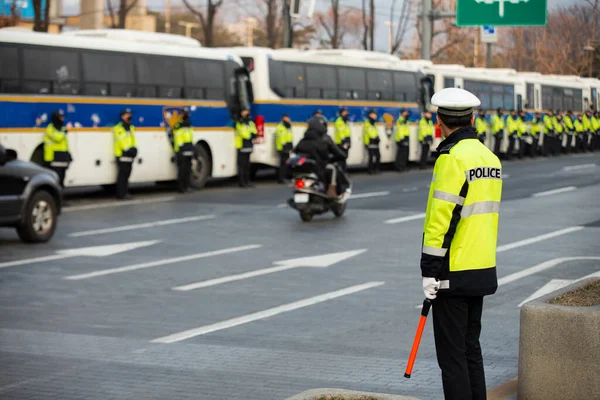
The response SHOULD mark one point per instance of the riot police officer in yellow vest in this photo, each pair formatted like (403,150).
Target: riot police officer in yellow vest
(549,133)
(579,133)
(498,130)
(536,129)
(343,137)
(559,130)
(245,134)
(458,259)
(595,131)
(481,126)
(402,140)
(426,131)
(587,128)
(125,151)
(569,131)
(284,144)
(183,144)
(371,140)
(523,135)
(56,146)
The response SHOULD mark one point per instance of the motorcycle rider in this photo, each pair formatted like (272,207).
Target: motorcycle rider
(318,146)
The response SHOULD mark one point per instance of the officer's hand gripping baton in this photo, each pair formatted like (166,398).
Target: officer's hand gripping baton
(415,346)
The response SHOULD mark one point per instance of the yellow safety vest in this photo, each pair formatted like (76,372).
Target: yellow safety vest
(402,129)
(182,135)
(497,124)
(244,133)
(123,139)
(283,138)
(56,145)
(578,127)
(558,126)
(342,131)
(481,126)
(568,123)
(548,124)
(461,222)
(425,129)
(587,123)
(536,127)
(511,125)
(370,134)
(595,124)
(521,127)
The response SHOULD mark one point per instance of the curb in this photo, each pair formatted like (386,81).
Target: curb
(351,394)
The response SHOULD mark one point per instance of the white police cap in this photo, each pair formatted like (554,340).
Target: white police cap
(455,102)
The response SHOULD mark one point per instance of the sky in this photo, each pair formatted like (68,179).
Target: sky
(71,7)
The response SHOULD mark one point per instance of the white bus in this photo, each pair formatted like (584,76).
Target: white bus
(297,82)
(92,76)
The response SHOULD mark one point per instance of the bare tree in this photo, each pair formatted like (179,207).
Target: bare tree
(41,18)
(207,22)
(118,19)
(368,19)
(404,21)
(337,24)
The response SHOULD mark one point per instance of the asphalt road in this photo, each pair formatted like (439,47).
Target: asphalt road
(194,296)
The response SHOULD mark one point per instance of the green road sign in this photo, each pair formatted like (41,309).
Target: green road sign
(501,12)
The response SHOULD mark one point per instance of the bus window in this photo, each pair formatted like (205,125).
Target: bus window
(204,79)
(57,74)
(9,69)
(448,83)
(294,80)
(406,86)
(321,82)
(101,79)
(380,86)
(159,75)
(352,83)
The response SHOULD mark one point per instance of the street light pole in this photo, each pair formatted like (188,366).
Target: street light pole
(168,16)
(391,25)
(426,29)
(488,63)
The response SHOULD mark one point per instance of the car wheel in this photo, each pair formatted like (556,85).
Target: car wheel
(201,166)
(39,222)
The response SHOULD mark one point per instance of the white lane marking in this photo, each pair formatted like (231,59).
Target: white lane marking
(535,239)
(165,261)
(282,205)
(117,204)
(553,285)
(94,251)
(230,323)
(577,167)
(554,191)
(405,219)
(321,261)
(539,268)
(505,176)
(410,189)
(141,226)
(367,195)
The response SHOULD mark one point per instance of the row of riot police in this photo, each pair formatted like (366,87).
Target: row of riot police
(57,154)
(552,134)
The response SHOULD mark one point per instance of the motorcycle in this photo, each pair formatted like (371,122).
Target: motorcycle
(310,191)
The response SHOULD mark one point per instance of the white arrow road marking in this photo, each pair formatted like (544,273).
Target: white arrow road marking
(322,261)
(95,251)
(142,226)
(367,195)
(117,204)
(135,267)
(405,219)
(580,166)
(554,191)
(177,337)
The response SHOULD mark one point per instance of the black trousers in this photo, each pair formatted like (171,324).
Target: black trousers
(61,171)
(533,147)
(374,160)
(283,167)
(456,328)
(522,145)
(342,163)
(401,157)
(123,174)
(568,143)
(557,144)
(424,154)
(184,172)
(498,142)
(584,146)
(511,147)
(548,144)
(243,161)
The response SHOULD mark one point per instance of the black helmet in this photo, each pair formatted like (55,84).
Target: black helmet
(126,111)
(318,124)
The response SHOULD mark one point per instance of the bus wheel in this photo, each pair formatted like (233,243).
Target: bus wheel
(201,168)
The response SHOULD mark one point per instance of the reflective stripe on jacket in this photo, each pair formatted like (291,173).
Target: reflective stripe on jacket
(461,222)
(123,139)
(283,138)
(342,131)
(56,144)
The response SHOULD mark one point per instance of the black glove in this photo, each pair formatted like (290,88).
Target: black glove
(132,152)
(69,157)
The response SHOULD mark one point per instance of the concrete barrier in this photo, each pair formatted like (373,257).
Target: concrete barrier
(559,349)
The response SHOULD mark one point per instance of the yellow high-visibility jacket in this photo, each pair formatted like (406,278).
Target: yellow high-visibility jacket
(342,131)
(512,126)
(461,222)
(56,146)
(370,134)
(244,133)
(426,130)
(481,126)
(536,127)
(402,129)
(183,138)
(283,138)
(124,140)
(548,124)
(497,124)
(568,123)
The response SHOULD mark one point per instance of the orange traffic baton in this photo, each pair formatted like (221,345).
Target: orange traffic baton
(415,346)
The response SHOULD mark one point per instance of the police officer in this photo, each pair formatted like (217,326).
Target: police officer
(523,135)
(548,141)
(125,151)
(559,130)
(536,129)
(596,131)
(481,126)
(245,134)
(458,260)
(343,134)
(402,140)
(579,133)
(371,140)
(512,127)
(569,130)
(425,137)
(183,144)
(56,146)
(588,138)
(284,145)
(498,130)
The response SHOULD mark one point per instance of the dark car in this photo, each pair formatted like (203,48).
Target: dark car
(30,197)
